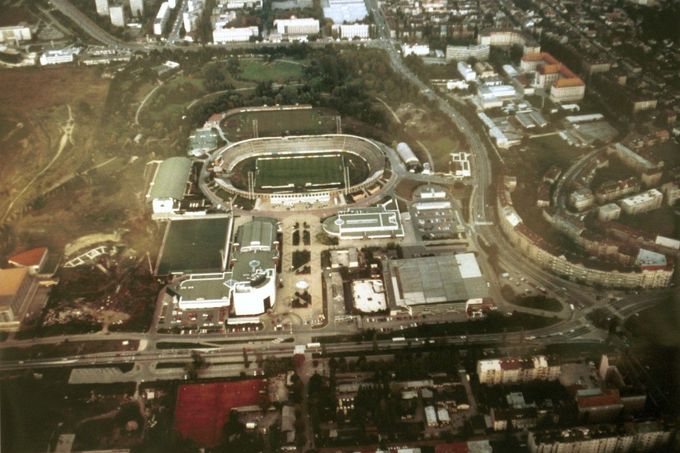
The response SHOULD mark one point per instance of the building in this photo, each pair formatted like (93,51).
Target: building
(297,28)
(582,199)
(611,190)
(117,15)
(466,72)
(15,33)
(168,186)
(642,202)
(33,259)
(638,437)
(649,172)
(60,56)
(102,7)
(137,8)
(460,165)
(352,31)
(608,212)
(345,11)
(161,20)
(552,75)
(15,288)
(408,156)
(434,280)
(515,369)
(375,222)
(650,261)
(421,50)
(369,295)
(478,52)
(233,34)
(491,96)
(598,406)
(484,70)
(248,286)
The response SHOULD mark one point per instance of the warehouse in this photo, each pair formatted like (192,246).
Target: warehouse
(434,280)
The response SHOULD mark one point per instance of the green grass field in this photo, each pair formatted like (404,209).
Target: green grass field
(276,123)
(277,71)
(319,170)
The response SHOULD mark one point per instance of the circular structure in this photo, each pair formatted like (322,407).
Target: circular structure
(288,170)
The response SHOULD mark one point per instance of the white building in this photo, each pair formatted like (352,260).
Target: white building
(168,186)
(376,222)
(420,50)
(234,34)
(514,369)
(466,72)
(351,31)
(460,165)
(407,156)
(369,295)
(161,19)
(136,7)
(642,202)
(478,52)
(345,11)
(117,15)
(172,4)
(296,28)
(102,7)
(15,33)
(59,56)
(240,4)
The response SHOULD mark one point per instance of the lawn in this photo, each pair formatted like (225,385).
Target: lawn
(539,303)
(300,171)
(552,150)
(278,71)
(274,123)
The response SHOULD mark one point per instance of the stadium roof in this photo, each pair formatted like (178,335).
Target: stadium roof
(436,279)
(170,179)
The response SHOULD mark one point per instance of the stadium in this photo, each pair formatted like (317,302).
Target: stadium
(288,170)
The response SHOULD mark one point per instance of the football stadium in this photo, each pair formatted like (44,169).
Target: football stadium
(286,170)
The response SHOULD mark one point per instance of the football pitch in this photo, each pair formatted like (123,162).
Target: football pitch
(323,170)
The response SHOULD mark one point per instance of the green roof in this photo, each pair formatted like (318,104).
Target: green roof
(170,179)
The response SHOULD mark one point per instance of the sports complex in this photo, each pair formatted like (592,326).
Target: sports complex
(287,170)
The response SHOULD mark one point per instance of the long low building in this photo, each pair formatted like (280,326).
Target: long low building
(435,280)
(169,185)
(376,222)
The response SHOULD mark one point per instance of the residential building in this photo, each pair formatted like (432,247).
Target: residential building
(137,8)
(642,202)
(117,15)
(582,199)
(516,369)
(102,7)
(161,20)
(479,52)
(234,34)
(296,28)
(611,190)
(608,212)
(351,31)
(15,288)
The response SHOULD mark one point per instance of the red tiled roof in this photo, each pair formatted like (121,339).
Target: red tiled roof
(29,258)
(611,397)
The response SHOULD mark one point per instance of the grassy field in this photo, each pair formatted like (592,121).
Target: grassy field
(552,150)
(257,70)
(301,171)
(276,123)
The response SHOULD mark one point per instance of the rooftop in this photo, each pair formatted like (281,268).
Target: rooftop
(170,179)
(28,258)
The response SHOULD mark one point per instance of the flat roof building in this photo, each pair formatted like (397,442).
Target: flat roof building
(642,202)
(169,185)
(15,286)
(376,222)
(344,11)
(369,295)
(435,280)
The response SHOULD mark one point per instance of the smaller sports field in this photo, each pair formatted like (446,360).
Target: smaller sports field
(307,171)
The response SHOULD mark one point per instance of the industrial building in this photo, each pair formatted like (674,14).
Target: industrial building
(408,156)
(168,186)
(434,280)
(512,370)
(15,33)
(375,222)
(642,202)
(344,11)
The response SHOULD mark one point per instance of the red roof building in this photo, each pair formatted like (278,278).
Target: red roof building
(32,259)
